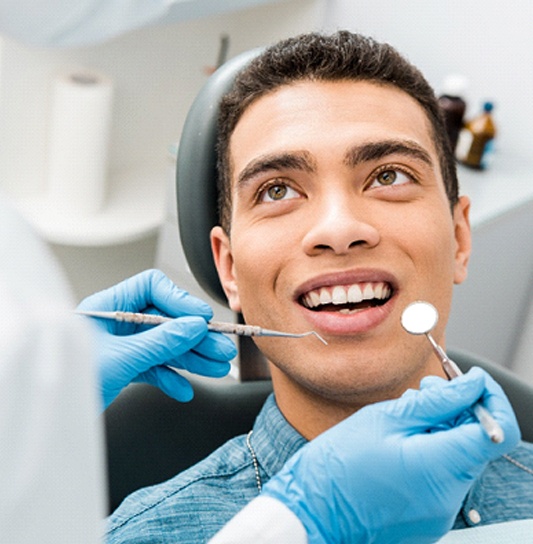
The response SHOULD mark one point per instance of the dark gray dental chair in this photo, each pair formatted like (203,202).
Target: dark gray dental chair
(151,437)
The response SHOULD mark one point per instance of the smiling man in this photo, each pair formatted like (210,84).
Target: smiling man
(339,206)
(339,219)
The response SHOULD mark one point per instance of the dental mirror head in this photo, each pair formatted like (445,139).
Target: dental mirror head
(419,317)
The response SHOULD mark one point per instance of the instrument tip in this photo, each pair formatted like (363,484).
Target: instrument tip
(319,337)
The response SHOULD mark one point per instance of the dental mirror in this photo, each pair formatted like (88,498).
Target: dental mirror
(419,317)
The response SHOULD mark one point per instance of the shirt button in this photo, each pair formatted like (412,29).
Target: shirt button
(474,516)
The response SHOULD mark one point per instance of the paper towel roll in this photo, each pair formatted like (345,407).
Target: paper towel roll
(79,141)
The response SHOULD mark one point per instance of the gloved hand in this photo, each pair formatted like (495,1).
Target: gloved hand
(396,471)
(127,352)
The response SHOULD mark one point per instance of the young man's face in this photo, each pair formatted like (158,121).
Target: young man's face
(337,196)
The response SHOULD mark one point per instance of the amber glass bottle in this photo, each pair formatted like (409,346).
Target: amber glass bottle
(476,139)
(453,106)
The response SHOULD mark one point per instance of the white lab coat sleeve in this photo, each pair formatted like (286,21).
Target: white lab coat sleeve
(77,22)
(51,441)
(263,521)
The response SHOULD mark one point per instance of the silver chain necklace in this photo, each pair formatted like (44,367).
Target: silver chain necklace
(518,464)
(254,460)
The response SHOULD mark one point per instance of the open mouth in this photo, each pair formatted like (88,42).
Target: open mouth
(347,299)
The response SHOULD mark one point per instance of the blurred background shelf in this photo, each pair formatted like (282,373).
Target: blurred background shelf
(134,209)
(505,186)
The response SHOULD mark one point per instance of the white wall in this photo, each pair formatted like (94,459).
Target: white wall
(491,43)
(157,72)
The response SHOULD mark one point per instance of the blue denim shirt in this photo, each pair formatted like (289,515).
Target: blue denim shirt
(194,505)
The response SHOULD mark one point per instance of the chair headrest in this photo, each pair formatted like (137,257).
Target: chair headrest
(196,175)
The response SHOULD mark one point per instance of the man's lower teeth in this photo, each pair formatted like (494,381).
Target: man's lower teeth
(348,311)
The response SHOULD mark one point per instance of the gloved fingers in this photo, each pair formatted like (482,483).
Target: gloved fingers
(171,300)
(437,406)
(491,392)
(440,401)
(496,402)
(492,398)
(166,342)
(103,301)
(437,381)
(216,346)
(197,364)
(465,445)
(462,451)
(150,288)
(169,381)
(431,381)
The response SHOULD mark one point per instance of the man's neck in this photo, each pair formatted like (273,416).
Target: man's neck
(313,412)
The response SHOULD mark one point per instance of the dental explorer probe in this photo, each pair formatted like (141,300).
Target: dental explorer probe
(419,318)
(216,326)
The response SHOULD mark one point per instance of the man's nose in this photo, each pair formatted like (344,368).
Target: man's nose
(339,224)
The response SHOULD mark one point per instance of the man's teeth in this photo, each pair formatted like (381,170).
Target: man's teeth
(346,294)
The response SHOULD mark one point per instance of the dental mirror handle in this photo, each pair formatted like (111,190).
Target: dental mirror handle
(491,426)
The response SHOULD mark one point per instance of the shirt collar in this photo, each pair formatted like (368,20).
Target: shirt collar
(274,439)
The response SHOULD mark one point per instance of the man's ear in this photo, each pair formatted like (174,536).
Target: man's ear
(463,238)
(221,248)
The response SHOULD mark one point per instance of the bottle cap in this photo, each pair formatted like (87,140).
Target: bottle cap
(488,106)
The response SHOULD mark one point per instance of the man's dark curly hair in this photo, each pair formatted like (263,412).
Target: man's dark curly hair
(317,57)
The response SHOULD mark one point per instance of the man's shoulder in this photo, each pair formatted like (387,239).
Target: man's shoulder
(193,505)
(504,492)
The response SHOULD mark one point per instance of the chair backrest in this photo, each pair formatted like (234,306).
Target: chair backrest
(196,175)
(151,437)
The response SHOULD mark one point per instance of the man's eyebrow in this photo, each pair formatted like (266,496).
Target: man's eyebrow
(299,160)
(373,151)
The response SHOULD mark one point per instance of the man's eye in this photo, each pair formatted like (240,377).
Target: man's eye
(278,191)
(389,177)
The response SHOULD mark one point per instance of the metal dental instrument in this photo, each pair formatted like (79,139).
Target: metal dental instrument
(419,318)
(217,326)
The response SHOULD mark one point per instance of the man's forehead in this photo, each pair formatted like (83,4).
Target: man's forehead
(268,138)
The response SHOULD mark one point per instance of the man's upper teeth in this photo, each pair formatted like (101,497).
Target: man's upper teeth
(344,294)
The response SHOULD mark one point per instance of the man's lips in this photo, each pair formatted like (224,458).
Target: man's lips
(348,303)
(347,298)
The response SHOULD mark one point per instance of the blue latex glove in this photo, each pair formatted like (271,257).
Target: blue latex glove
(396,471)
(127,352)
